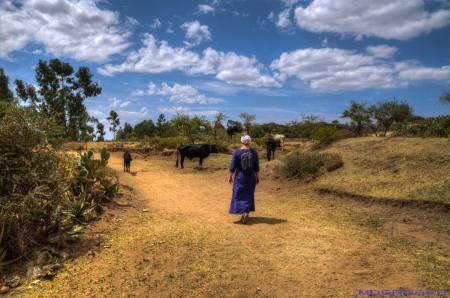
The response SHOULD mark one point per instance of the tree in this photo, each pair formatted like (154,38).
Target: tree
(125,133)
(218,119)
(191,126)
(445,97)
(161,124)
(247,119)
(390,112)
(6,94)
(359,116)
(145,128)
(100,132)
(61,95)
(114,121)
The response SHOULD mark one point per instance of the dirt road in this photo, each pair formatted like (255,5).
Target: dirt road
(177,240)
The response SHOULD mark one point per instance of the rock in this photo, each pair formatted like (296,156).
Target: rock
(144,210)
(4,290)
(13,282)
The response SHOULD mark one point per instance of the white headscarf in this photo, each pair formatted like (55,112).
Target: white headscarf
(245,139)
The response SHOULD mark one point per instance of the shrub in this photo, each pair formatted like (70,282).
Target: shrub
(332,161)
(325,136)
(31,185)
(303,165)
(37,184)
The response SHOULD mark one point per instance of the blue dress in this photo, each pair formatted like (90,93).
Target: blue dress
(243,199)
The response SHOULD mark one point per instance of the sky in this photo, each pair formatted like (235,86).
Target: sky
(278,59)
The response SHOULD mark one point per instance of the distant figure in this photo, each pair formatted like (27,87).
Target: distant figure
(245,168)
(271,146)
(127,161)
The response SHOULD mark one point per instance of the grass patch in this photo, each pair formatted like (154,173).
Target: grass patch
(309,165)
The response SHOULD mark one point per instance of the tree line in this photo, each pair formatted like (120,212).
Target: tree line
(61,92)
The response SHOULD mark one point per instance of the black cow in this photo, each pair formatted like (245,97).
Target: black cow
(233,127)
(127,161)
(195,150)
(271,146)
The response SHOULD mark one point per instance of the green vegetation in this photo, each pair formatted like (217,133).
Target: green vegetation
(325,136)
(60,95)
(43,190)
(301,165)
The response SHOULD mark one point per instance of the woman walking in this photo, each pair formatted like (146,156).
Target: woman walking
(244,167)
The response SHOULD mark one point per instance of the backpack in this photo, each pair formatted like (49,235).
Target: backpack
(247,162)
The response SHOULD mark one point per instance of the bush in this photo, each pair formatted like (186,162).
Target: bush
(38,184)
(332,161)
(325,136)
(31,184)
(303,165)
(425,127)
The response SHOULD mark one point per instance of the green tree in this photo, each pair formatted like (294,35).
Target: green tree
(126,133)
(391,112)
(161,125)
(61,95)
(100,132)
(191,127)
(5,93)
(145,128)
(359,115)
(247,119)
(218,119)
(114,121)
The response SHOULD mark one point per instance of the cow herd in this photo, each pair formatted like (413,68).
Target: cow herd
(202,151)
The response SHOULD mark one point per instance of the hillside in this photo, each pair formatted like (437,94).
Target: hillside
(392,168)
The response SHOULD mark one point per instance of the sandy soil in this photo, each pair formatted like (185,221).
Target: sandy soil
(172,237)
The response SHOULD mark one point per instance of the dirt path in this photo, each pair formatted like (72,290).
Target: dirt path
(177,240)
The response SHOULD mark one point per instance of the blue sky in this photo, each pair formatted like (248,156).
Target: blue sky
(277,59)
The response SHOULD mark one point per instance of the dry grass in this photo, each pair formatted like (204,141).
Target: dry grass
(396,168)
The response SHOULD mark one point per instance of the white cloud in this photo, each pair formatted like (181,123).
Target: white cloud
(143,113)
(181,94)
(176,110)
(153,58)
(413,71)
(382,51)
(169,28)
(118,103)
(138,93)
(205,8)
(156,23)
(233,69)
(389,19)
(331,69)
(157,57)
(75,29)
(195,34)
(271,16)
(284,18)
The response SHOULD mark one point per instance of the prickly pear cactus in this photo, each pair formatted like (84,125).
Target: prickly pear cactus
(104,154)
